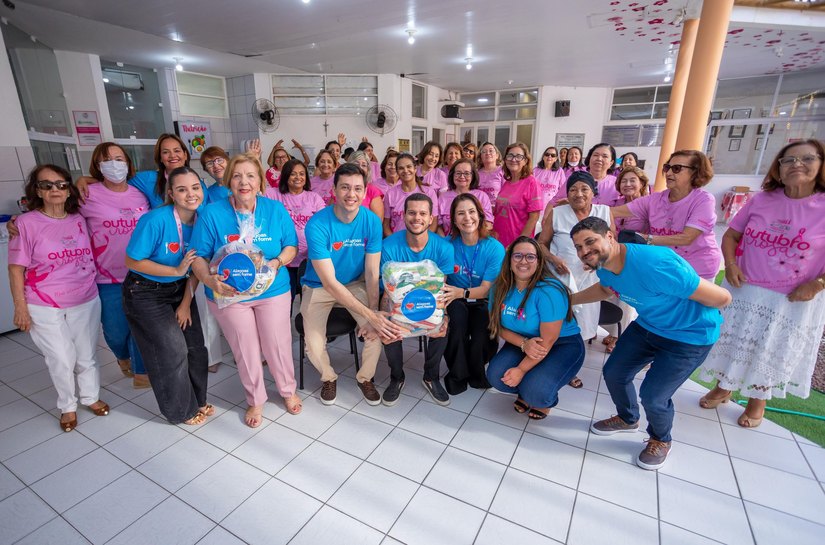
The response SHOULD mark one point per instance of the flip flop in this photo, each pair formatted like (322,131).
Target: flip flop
(537,414)
(520,406)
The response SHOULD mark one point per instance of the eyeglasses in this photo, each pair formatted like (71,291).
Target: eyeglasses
(461,174)
(62,185)
(675,168)
(529,258)
(488,151)
(219,161)
(514,157)
(806,160)
(550,155)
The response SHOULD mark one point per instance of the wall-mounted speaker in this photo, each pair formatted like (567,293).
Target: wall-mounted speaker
(562,108)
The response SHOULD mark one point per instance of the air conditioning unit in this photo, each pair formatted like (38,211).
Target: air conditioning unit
(450,112)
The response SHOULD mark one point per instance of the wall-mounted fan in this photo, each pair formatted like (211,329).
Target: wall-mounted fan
(266,115)
(381,119)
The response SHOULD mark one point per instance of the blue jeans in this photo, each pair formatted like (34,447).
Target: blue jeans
(540,386)
(671,364)
(175,358)
(116,328)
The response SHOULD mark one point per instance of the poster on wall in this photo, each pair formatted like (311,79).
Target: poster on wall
(404,145)
(87,127)
(198,136)
(568,140)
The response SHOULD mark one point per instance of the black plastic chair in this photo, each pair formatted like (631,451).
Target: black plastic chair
(339,323)
(609,314)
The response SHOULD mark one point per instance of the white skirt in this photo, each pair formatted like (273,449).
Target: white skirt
(768,345)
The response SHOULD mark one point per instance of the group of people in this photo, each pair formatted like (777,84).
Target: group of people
(527,253)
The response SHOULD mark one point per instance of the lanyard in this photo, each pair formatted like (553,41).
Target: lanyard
(468,267)
(179,225)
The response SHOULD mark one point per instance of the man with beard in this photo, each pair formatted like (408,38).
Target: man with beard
(677,325)
(417,243)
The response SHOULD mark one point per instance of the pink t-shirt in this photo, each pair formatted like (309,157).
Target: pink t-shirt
(551,183)
(322,188)
(435,179)
(394,204)
(490,182)
(382,185)
(376,170)
(608,194)
(445,202)
(111,217)
(516,200)
(632,223)
(783,240)
(60,270)
(301,207)
(697,210)
(272,176)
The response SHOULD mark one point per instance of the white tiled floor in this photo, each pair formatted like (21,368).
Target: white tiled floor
(415,473)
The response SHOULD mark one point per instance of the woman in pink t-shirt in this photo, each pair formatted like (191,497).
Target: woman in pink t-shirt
(295,193)
(112,211)
(52,278)
(276,161)
(463,178)
(573,163)
(429,160)
(373,197)
(631,184)
(683,215)
(490,173)
(519,201)
(397,194)
(452,153)
(550,176)
(322,182)
(389,176)
(774,252)
(600,161)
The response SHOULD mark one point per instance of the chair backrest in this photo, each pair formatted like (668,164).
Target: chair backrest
(302,268)
(610,313)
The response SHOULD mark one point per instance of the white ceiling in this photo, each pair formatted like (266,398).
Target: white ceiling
(608,43)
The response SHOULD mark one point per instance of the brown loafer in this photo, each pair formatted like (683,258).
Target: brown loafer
(125,367)
(70,424)
(100,408)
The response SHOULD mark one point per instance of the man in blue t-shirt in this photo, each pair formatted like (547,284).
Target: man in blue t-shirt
(678,323)
(344,251)
(417,243)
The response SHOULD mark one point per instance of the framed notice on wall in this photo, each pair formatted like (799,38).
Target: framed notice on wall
(198,136)
(87,128)
(568,140)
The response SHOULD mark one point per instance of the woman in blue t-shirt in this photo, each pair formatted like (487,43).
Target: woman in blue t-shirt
(530,310)
(478,260)
(157,300)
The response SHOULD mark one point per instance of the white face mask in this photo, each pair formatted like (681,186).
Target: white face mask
(573,163)
(114,171)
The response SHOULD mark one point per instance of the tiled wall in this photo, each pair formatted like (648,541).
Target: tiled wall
(241,95)
(15,164)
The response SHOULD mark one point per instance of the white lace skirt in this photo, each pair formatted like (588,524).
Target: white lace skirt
(768,345)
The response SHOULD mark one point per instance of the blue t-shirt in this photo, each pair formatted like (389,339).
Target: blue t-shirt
(156,238)
(475,264)
(146,181)
(346,244)
(218,224)
(438,249)
(218,192)
(657,282)
(547,303)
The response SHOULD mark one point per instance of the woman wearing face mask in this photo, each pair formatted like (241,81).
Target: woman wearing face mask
(322,182)
(429,160)
(159,303)
(490,173)
(573,162)
(112,211)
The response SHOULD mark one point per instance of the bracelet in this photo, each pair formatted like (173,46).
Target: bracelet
(280,262)
(523,342)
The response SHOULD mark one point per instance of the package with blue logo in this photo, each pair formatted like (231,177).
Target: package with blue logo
(242,265)
(414,295)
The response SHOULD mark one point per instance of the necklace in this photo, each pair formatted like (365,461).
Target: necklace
(53,217)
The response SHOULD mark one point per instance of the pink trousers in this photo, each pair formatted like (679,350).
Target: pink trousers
(255,326)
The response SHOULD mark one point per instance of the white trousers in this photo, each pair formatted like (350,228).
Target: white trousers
(211,329)
(68,339)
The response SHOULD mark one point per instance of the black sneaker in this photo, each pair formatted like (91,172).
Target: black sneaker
(612,425)
(654,455)
(369,392)
(436,391)
(392,391)
(329,391)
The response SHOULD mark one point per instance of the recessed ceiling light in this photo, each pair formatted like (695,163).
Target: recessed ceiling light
(411,33)
(483,100)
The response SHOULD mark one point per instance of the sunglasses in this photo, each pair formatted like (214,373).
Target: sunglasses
(62,185)
(550,155)
(529,258)
(675,168)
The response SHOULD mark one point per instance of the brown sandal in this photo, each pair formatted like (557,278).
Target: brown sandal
(100,408)
(196,420)
(576,383)
(520,406)
(293,404)
(537,414)
(70,424)
(708,402)
(207,410)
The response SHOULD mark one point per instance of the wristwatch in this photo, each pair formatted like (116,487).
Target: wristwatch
(467,294)
(649,239)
